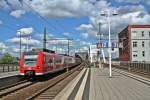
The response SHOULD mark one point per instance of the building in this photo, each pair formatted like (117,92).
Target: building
(83,55)
(134,43)
(93,52)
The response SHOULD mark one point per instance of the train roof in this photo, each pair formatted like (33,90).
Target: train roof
(35,51)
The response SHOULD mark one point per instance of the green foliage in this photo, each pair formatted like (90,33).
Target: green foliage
(8,59)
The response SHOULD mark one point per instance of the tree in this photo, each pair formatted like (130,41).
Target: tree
(7,59)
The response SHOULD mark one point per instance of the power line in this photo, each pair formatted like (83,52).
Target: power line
(37,13)
(14,29)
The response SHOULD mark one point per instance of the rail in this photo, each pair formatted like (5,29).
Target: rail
(9,67)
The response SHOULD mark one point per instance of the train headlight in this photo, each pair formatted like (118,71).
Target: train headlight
(38,67)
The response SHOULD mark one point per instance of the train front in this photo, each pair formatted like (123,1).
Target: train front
(30,64)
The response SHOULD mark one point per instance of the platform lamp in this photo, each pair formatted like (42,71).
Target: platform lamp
(100,44)
(19,32)
(108,14)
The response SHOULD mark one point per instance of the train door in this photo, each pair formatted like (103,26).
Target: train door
(54,65)
(62,61)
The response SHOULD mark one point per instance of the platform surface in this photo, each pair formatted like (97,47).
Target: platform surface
(8,74)
(95,84)
(119,87)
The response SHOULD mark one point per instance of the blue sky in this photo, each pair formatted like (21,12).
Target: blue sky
(76,19)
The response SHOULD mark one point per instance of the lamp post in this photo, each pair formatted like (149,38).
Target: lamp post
(20,42)
(99,24)
(108,14)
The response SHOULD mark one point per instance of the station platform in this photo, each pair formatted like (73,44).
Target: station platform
(8,74)
(95,84)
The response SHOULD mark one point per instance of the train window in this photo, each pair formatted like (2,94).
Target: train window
(30,60)
(58,61)
(50,62)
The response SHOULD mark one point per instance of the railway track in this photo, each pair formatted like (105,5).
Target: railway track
(26,90)
(6,91)
(49,92)
(12,85)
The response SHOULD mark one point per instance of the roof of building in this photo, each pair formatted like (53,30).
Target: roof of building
(138,26)
(133,26)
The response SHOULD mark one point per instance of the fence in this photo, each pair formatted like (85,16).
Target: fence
(144,66)
(9,67)
(141,66)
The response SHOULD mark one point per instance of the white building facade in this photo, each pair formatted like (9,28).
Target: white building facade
(135,40)
(93,52)
(140,44)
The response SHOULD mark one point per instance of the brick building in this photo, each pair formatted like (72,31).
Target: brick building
(134,43)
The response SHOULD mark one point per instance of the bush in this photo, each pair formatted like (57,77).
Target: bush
(8,59)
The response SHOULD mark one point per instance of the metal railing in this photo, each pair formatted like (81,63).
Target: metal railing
(9,67)
(143,66)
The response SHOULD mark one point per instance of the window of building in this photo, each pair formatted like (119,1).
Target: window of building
(143,53)
(142,43)
(135,55)
(134,44)
(135,51)
(149,33)
(134,31)
(142,33)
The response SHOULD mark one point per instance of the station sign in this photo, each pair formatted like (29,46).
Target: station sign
(106,45)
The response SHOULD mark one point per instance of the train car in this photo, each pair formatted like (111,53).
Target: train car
(41,62)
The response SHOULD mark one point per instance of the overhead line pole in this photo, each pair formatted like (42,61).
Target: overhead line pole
(99,44)
(20,44)
(44,39)
(68,44)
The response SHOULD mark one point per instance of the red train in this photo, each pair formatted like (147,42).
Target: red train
(41,62)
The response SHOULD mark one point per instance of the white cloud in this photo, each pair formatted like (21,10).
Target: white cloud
(3,4)
(133,1)
(66,34)
(1,22)
(57,8)
(82,49)
(60,41)
(88,30)
(41,36)
(2,48)
(85,27)
(25,31)
(84,35)
(148,2)
(85,43)
(24,41)
(134,15)
(2,45)
(12,4)
(17,13)
(130,1)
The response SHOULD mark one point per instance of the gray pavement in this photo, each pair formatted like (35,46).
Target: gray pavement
(119,87)
(8,74)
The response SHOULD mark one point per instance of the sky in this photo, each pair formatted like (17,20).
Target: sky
(74,19)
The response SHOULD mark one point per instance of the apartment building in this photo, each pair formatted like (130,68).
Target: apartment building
(134,43)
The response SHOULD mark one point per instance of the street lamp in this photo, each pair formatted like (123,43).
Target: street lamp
(100,35)
(108,14)
(20,42)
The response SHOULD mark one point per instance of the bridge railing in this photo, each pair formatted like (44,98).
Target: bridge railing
(9,67)
(144,66)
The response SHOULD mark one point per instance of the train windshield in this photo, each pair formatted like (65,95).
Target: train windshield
(30,60)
